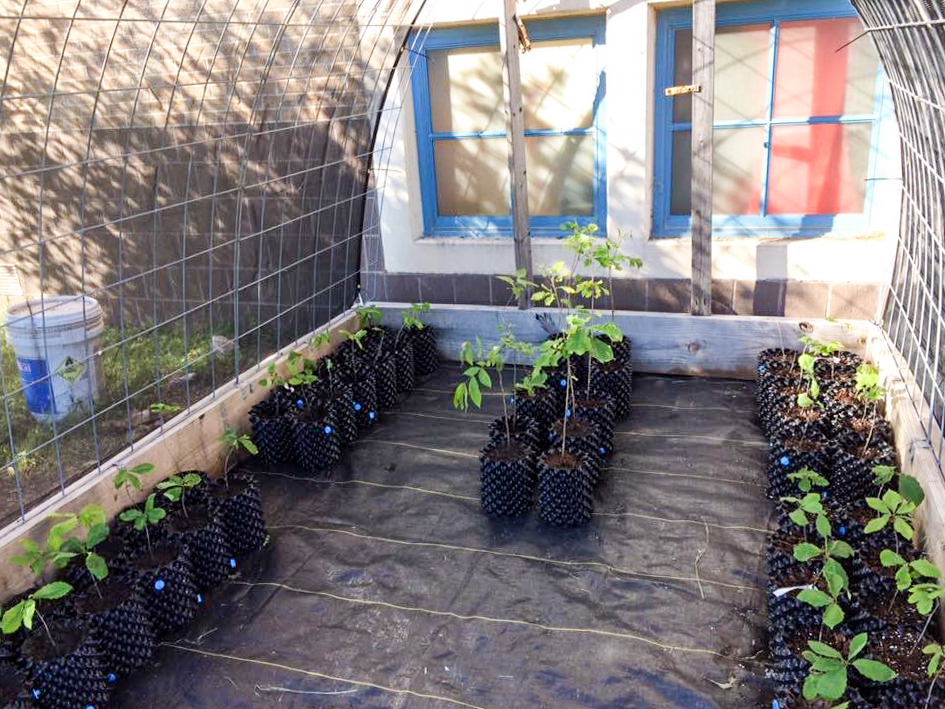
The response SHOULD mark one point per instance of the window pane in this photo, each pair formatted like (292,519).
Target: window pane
(814,79)
(559,84)
(560,175)
(466,90)
(738,162)
(819,169)
(472,177)
(741,75)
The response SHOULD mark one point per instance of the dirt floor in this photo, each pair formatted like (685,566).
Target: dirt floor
(384,585)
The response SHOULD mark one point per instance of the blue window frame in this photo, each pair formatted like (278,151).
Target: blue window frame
(669,216)
(480,36)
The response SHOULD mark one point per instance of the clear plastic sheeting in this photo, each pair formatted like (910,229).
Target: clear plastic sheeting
(384,585)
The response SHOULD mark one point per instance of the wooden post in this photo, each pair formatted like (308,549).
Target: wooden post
(703,116)
(515,130)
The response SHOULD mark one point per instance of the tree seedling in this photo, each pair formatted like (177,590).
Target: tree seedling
(892,507)
(811,395)
(175,488)
(807,479)
(93,520)
(908,486)
(908,572)
(833,573)
(935,651)
(22,614)
(869,392)
(233,442)
(368,317)
(518,284)
(141,519)
(475,376)
(810,504)
(828,675)
(131,477)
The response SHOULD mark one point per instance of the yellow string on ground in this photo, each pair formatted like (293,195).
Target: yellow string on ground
(486,619)
(700,522)
(524,557)
(322,675)
(442,451)
(695,437)
(459,419)
(707,478)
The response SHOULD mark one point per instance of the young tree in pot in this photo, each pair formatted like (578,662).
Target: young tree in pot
(426,358)
(238,502)
(403,350)
(506,467)
(832,572)
(63,663)
(340,400)
(829,669)
(384,365)
(317,441)
(361,378)
(200,530)
(271,420)
(512,425)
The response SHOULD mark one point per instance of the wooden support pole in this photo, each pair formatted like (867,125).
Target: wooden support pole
(515,130)
(703,117)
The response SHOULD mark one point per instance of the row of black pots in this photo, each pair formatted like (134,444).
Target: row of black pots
(309,425)
(895,629)
(552,450)
(105,631)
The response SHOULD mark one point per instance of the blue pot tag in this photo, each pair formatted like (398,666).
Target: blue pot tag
(159,585)
(784,461)
(328,430)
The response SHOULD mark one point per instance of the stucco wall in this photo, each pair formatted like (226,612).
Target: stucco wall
(770,276)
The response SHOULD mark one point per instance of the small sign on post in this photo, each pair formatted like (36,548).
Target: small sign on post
(681,90)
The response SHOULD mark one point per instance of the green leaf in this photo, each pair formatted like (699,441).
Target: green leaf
(814,597)
(192,480)
(484,379)
(887,557)
(836,577)
(903,527)
(926,568)
(911,489)
(857,644)
(874,525)
(249,445)
(833,616)
(92,515)
(53,591)
(903,578)
(798,517)
(29,610)
(876,671)
(142,469)
(459,397)
(474,393)
(840,549)
(833,685)
(96,566)
(806,551)
(129,515)
(877,505)
(822,524)
(13,618)
(804,400)
(823,649)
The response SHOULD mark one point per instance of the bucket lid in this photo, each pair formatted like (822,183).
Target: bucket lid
(60,311)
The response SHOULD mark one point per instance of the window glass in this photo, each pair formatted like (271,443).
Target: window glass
(472,177)
(560,174)
(559,84)
(466,90)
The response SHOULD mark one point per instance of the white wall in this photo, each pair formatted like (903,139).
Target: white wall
(629,50)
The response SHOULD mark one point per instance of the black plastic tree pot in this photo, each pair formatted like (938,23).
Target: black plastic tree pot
(599,411)
(581,438)
(238,503)
(774,355)
(403,356)
(841,406)
(68,673)
(773,397)
(426,357)
(522,429)
(317,440)
(615,381)
(623,350)
(791,455)
(860,432)
(558,388)
(785,612)
(166,583)
(342,409)
(565,497)
(14,692)
(794,422)
(113,549)
(118,619)
(507,478)
(852,476)
(363,395)
(840,365)
(201,531)
(539,406)
(272,430)
(385,381)
(901,649)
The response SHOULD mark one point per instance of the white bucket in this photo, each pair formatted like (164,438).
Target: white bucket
(56,341)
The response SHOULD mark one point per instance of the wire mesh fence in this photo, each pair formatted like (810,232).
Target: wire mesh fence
(184,185)
(910,37)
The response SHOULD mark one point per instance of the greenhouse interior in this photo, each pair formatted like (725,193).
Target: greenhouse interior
(629,313)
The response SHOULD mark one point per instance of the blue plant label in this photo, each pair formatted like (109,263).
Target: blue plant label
(159,585)
(567,414)
(371,415)
(775,704)
(784,461)
(232,563)
(761,369)
(37,388)
(90,706)
(564,383)
(357,406)
(327,430)
(199,598)
(111,678)
(37,694)
(842,531)
(602,450)
(300,403)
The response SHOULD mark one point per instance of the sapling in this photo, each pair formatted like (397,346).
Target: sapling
(319,341)
(475,376)
(828,674)
(410,319)
(357,338)
(807,479)
(518,284)
(22,614)
(368,317)
(93,520)
(811,394)
(892,508)
(233,442)
(175,488)
(832,571)
(907,572)
(926,595)
(934,668)
(810,504)
(908,486)
(869,392)
(140,519)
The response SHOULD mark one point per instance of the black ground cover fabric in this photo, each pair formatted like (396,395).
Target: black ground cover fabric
(385,586)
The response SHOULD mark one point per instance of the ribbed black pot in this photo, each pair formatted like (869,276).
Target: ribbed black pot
(136,541)
(507,479)
(775,355)
(317,441)
(166,584)
(558,387)
(201,531)
(787,614)
(539,407)
(623,350)
(849,522)
(426,357)
(239,506)
(523,430)
(615,381)
(852,697)
(565,495)
(70,674)
(841,405)
(778,395)
(857,433)
(790,456)
(600,411)
(113,549)
(851,477)
(901,649)
(272,431)
(841,365)
(363,396)
(403,357)
(793,422)
(120,623)
(385,381)
(581,438)
(14,690)
(342,409)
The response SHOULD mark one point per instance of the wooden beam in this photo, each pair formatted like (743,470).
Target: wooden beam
(515,131)
(703,117)
(189,441)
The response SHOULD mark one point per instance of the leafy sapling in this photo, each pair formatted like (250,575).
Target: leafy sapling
(410,319)
(233,442)
(93,521)
(321,341)
(833,573)
(161,408)
(829,669)
(935,651)
(908,486)
(804,509)
(810,397)
(807,479)
(151,515)
(869,392)
(22,614)
(175,488)
(892,508)
(131,478)
(475,376)
(368,317)
(518,284)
